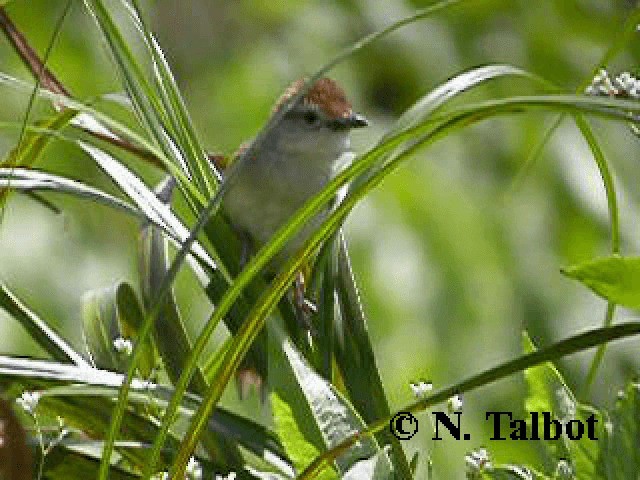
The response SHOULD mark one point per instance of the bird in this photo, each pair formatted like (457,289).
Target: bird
(283,169)
(292,163)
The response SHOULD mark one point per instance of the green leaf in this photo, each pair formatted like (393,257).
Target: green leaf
(153,208)
(620,456)
(290,433)
(101,328)
(112,315)
(615,278)
(130,316)
(309,397)
(38,329)
(32,180)
(548,392)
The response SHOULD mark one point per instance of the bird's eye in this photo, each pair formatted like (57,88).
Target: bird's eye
(312,118)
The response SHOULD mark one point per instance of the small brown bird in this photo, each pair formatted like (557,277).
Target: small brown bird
(294,162)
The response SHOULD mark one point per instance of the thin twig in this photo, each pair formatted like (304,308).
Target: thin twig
(29,56)
(49,81)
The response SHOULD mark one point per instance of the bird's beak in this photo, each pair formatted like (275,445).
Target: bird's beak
(355,120)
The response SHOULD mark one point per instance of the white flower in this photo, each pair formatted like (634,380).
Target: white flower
(123,345)
(455,403)
(564,470)
(477,462)
(421,389)
(231,476)
(194,470)
(29,401)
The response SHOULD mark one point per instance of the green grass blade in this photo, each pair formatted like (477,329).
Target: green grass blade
(205,175)
(38,329)
(146,200)
(362,377)
(36,180)
(144,97)
(99,124)
(169,332)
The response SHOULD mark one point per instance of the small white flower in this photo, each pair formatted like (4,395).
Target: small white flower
(601,85)
(421,389)
(231,476)
(194,470)
(477,462)
(29,401)
(123,345)
(455,403)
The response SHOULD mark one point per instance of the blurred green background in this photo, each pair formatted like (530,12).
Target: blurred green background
(453,260)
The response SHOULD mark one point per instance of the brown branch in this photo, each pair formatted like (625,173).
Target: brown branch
(50,82)
(29,56)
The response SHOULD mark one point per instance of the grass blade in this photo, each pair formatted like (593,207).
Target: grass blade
(38,330)
(205,175)
(33,180)
(146,200)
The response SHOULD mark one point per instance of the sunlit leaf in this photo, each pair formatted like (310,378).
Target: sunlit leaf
(615,278)
(334,418)
(548,392)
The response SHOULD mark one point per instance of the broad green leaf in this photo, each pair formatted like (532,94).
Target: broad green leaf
(290,428)
(376,467)
(328,415)
(102,329)
(548,392)
(615,278)
(619,455)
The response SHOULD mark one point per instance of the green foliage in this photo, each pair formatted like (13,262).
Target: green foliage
(161,405)
(612,451)
(617,279)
